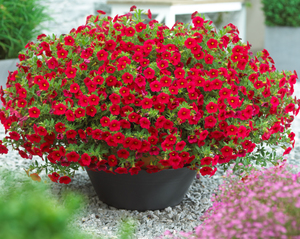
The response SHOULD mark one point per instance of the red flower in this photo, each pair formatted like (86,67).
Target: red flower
(135,144)
(22,92)
(184,113)
(112,161)
(290,107)
(179,73)
(91,111)
(60,109)
(54,177)
(233,101)
(287,151)
(114,125)
(74,88)
(224,93)
(180,146)
(70,115)
(71,72)
(52,63)
(85,160)
(41,131)
(198,22)
(206,161)
(210,121)
(140,27)
(123,153)
(212,43)
(104,121)
(121,170)
(114,98)
(60,127)
(149,73)
(144,123)
(119,137)
(146,103)
(258,84)
(171,139)
(69,41)
(34,112)
(65,180)
(134,170)
(190,43)
(206,171)
(93,100)
(231,130)
(154,150)
(102,55)
(208,59)
(226,151)
(149,14)
(165,81)
(62,53)
(71,134)
(211,107)
(274,101)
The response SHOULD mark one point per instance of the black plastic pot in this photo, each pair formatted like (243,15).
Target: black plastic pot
(142,191)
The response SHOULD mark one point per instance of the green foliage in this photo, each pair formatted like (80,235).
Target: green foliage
(282,12)
(29,211)
(19,23)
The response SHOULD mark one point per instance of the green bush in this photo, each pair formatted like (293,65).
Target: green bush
(19,23)
(29,211)
(282,12)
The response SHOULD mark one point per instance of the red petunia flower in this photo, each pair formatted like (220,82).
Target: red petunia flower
(74,88)
(210,121)
(121,170)
(233,102)
(85,160)
(184,113)
(208,59)
(114,125)
(144,123)
(34,112)
(190,43)
(198,21)
(102,55)
(149,73)
(226,151)
(146,103)
(149,14)
(70,72)
(140,27)
(65,180)
(211,107)
(212,43)
(54,177)
(69,41)
(72,156)
(206,161)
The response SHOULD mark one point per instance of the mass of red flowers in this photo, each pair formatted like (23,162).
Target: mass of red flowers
(117,89)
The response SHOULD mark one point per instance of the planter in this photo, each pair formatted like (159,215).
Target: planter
(143,191)
(283,45)
(5,66)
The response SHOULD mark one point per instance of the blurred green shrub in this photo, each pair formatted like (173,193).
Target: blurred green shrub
(27,210)
(282,12)
(19,23)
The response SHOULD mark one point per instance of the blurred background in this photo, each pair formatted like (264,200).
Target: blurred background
(270,24)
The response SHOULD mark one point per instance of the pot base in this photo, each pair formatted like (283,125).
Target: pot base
(143,191)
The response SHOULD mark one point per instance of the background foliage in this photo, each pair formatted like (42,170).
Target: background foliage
(282,12)
(19,23)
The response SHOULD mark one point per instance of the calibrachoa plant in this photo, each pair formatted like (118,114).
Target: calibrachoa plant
(115,90)
(264,204)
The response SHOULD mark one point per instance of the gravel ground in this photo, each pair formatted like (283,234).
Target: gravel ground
(99,219)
